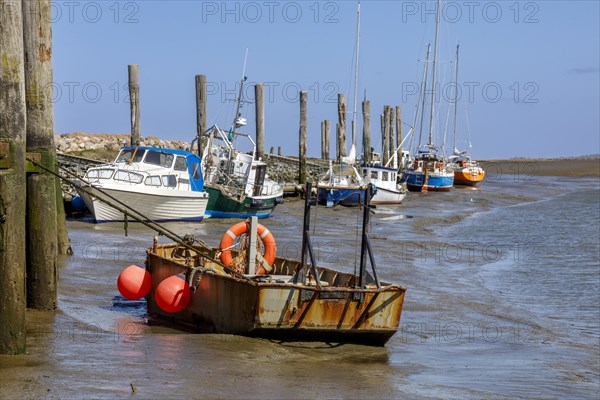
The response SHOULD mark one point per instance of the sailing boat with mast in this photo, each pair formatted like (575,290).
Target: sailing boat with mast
(342,184)
(467,172)
(237,183)
(429,171)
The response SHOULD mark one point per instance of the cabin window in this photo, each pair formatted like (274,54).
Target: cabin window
(99,173)
(128,176)
(384,175)
(184,181)
(159,158)
(393,176)
(169,180)
(153,180)
(374,174)
(127,155)
(180,164)
(195,171)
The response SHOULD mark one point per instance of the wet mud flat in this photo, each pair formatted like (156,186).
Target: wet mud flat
(482,318)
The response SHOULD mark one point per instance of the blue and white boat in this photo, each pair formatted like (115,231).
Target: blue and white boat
(162,184)
(343,185)
(385,180)
(428,172)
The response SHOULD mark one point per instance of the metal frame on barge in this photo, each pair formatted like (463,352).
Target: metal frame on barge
(297,301)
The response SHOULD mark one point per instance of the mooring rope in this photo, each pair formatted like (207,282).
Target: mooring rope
(130,211)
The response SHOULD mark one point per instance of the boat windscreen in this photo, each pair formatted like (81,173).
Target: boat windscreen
(126,155)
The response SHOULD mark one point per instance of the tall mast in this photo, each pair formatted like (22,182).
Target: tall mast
(356,75)
(424,91)
(239,99)
(455,98)
(437,22)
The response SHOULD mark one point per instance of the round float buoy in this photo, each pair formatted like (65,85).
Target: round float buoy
(77,204)
(134,282)
(173,294)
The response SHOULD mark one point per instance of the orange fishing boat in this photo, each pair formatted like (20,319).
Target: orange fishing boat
(467,172)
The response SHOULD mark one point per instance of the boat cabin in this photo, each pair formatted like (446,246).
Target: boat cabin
(152,167)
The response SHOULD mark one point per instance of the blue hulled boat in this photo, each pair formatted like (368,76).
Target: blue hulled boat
(428,172)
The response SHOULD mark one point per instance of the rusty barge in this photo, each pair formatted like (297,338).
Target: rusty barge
(294,301)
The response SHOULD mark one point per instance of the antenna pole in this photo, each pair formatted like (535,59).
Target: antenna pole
(239,99)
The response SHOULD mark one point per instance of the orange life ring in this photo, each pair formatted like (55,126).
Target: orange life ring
(243,228)
(464,163)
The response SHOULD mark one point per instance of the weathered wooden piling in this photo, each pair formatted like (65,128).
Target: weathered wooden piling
(134,102)
(260,120)
(342,125)
(201,116)
(12,181)
(272,149)
(385,155)
(279,150)
(366,111)
(41,186)
(327,139)
(391,137)
(399,136)
(302,147)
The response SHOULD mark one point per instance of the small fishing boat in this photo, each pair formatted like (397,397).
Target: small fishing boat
(241,291)
(163,184)
(467,172)
(342,184)
(385,179)
(428,172)
(237,183)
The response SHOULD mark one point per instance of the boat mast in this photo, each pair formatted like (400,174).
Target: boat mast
(455,98)
(424,92)
(235,125)
(356,76)
(437,22)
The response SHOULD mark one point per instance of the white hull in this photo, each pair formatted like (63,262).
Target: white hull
(387,196)
(163,205)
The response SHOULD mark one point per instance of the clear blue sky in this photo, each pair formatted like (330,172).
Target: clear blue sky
(529,70)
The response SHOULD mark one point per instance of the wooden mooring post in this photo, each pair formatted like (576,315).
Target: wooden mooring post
(325,139)
(201,112)
(399,137)
(134,102)
(42,240)
(260,119)
(366,111)
(341,132)
(12,181)
(302,144)
(390,130)
(385,155)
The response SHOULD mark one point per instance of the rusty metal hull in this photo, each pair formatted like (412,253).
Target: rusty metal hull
(277,309)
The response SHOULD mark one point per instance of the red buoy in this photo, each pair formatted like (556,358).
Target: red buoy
(173,294)
(134,282)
